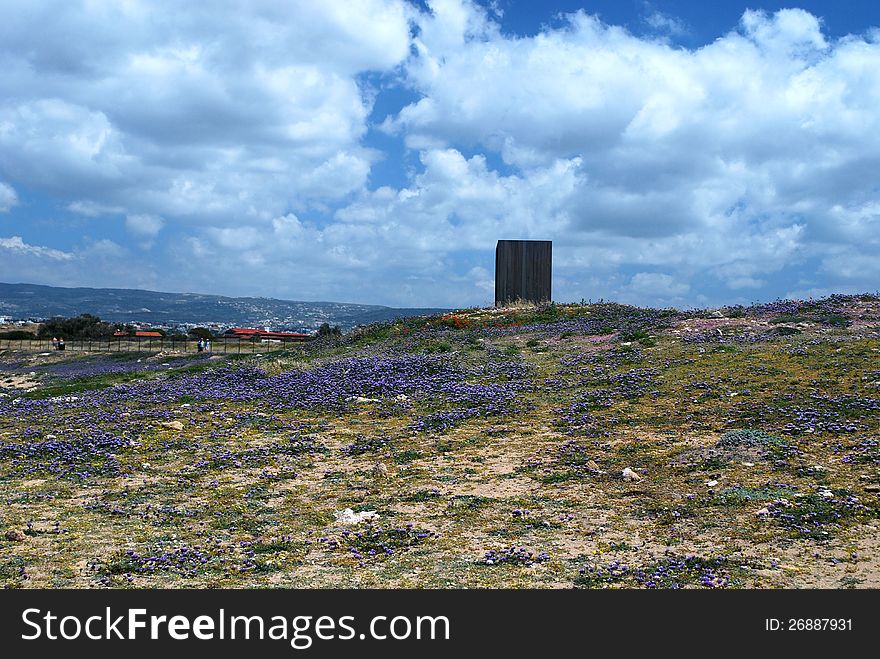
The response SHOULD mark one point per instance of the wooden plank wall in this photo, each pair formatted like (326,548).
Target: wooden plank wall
(522,271)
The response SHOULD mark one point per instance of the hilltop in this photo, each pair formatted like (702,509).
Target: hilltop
(32,301)
(561,446)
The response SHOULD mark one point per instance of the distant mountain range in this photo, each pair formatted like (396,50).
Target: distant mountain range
(32,301)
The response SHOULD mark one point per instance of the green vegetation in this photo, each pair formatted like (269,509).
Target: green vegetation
(85,326)
(589,446)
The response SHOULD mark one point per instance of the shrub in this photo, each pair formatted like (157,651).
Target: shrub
(326,330)
(18,335)
(84,326)
(201,332)
(756,438)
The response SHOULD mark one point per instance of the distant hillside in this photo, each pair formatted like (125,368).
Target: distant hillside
(23,301)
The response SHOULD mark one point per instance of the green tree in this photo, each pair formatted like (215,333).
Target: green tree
(201,332)
(326,330)
(17,335)
(84,326)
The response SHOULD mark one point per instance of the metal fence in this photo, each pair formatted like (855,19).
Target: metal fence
(221,346)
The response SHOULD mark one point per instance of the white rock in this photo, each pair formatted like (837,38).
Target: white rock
(763,511)
(826,493)
(711,483)
(630,475)
(748,464)
(361,399)
(348,516)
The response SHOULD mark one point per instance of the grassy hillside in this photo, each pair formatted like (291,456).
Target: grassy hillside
(564,446)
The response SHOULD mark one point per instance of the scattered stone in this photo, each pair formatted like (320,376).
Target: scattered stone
(593,466)
(711,483)
(14,535)
(174,425)
(348,516)
(380,470)
(630,475)
(361,399)
(764,511)
(872,488)
(828,494)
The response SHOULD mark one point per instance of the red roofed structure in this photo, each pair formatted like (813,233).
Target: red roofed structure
(252,333)
(143,333)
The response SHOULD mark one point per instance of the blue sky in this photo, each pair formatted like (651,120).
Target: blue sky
(677,153)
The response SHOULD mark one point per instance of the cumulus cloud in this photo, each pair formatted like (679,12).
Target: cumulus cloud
(14,245)
(742,168)
(734,160)
(222,113)
(144,225)
(90,208)
(663,23)
(8,198)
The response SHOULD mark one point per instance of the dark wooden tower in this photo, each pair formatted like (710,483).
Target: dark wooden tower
(522,271)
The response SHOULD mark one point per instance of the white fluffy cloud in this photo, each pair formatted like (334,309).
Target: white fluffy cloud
(745,168)
(8,198)
(737,159)
(144,225)
(15,246)
(222,112)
